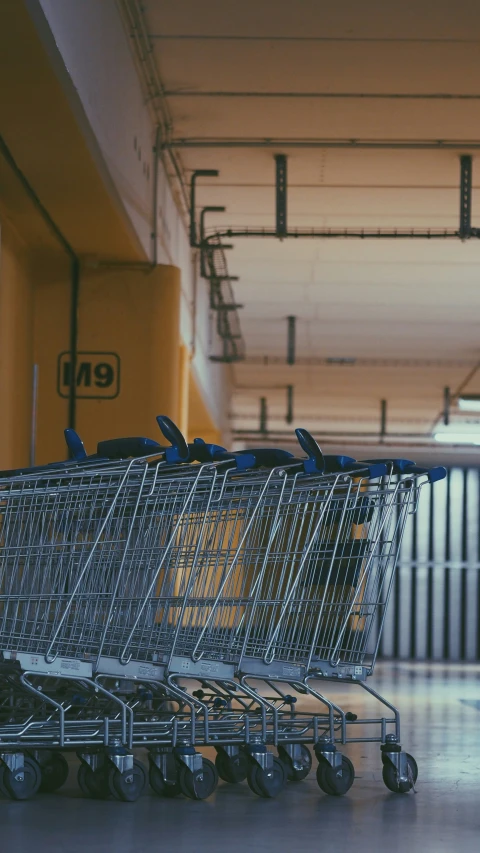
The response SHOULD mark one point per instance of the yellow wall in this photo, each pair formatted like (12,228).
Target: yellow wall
(16,349)
(132,314)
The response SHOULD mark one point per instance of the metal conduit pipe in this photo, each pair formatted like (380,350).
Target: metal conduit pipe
(74,274)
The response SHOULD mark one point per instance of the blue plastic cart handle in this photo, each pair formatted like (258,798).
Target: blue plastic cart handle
(179,451)
(315,464)
(335,464)
(406,466)
(124,448)
(75,444)
(266,457)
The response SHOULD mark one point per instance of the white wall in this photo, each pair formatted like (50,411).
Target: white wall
(90,52)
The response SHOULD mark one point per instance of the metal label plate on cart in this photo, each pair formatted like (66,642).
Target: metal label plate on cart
(276,669)
(205,668)
(133,669)
(60,666)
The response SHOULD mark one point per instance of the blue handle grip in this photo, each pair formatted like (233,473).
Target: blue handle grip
(266,457)
(315,464)
(433,474)
(406,466)
(178,452)
(200,451)
(75,444)
(124,448)
(335,464)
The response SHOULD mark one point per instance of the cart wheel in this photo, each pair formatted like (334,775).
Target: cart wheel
(3,790)
(92,783)
(199,784)
(390,776)
(335,781)
(129,785)
(231,768)
(22,789)
(267,783)
(159,785)
(294,775)
(54,773)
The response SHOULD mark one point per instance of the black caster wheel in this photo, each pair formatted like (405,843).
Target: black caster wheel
(294,774)
(390,776)
(231,768)
(335,781)
(199,784)
(54,773)
(3,790)
(92,783)
(129,785)
(22,789)
(160,786)
(267,783)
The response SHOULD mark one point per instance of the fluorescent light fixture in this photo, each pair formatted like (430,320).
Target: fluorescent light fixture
(469,403)
(458,437)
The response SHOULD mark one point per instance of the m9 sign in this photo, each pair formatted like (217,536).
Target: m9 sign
(97,375)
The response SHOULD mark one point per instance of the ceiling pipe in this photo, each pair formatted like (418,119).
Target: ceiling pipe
(376,144)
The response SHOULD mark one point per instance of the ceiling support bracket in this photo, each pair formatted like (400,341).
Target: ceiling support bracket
(281,195)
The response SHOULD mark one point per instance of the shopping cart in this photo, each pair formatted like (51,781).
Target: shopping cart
(126,578)
(70,535)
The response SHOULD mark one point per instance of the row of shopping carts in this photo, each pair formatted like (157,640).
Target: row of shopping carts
(181,597)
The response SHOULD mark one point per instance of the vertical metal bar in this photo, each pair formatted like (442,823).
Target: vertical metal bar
(154,232)
(289,417)
(33,433)
(291,324)
(430,579)
(446,590)
(281,194)
(446,406)
(383,419)
(463,571)
(396,599)
(198,173)
(477,614)
(263,414)
(465,228)
(413,589)
(193,225)
(74,296)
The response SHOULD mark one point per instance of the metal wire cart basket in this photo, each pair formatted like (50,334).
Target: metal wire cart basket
(186,597)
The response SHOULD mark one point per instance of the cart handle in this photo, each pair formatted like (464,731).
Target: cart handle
(265,457)
(406,466)
(122,448)
(75,444)
(315,464)
(334,464)
(179,451)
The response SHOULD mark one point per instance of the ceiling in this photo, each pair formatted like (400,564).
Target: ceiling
(244,82)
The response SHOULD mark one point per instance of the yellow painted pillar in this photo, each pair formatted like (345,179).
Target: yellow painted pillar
(16,350)
(128,361)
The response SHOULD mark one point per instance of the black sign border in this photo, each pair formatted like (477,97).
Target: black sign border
(87,396)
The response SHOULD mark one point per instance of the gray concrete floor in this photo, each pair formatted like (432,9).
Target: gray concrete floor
(441,723)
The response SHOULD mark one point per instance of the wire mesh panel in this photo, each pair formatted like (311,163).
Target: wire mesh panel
(66,539)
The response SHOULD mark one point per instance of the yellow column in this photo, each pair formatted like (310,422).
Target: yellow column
(16,350)
(128,362)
